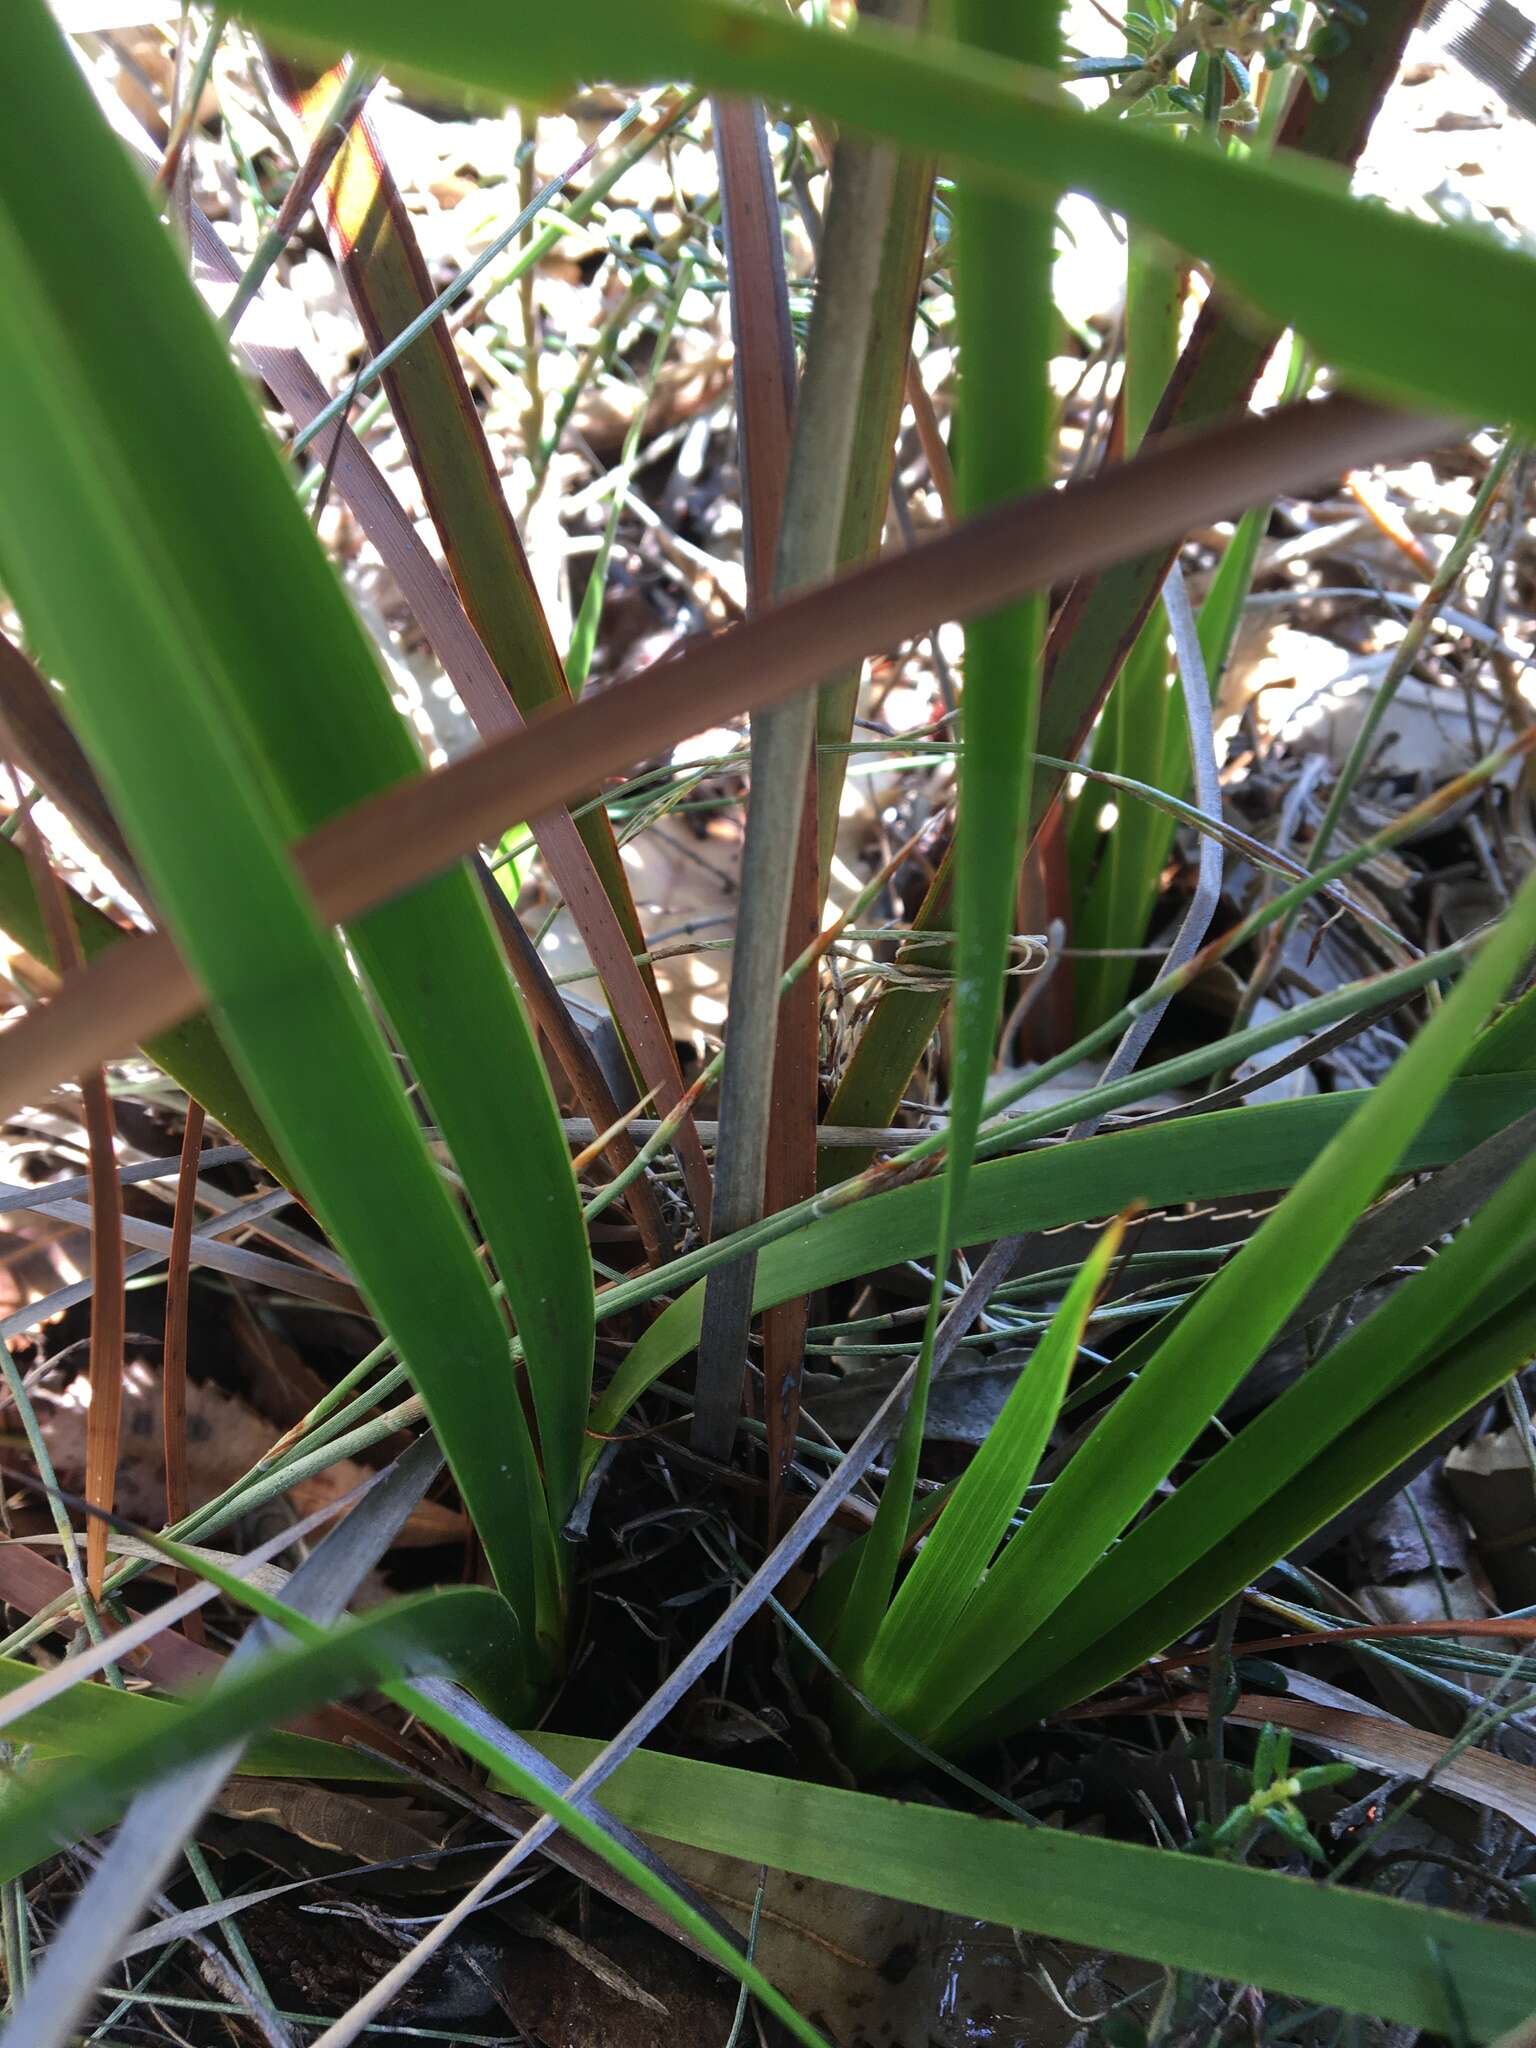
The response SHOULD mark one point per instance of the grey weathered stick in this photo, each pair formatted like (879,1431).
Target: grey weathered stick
(224,1258)
(782,737)
(250,1211)
(1189,938)
(158,1822)
(71,1190)
(792,1546)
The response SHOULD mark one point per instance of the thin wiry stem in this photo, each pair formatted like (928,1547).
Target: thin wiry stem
(104,1418)
(370,372)
(173,1365)
(1207,780)
(1404,656)
(825,422)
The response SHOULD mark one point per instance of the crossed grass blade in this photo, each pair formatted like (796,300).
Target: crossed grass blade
(393,840)
(1213,1343)
(1346,1948)
(1006,324)
(177,634)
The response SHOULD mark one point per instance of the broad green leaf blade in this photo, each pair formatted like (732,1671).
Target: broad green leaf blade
(190,1052)
(1282,233)
(432,957)
(1198,1159)
(1464,1374)
(89,1720)
(1332,1947)
(463,1628)
(1006,325)
(163,622)
(1211,1346)
(1475,1277)
(387,277)
(975,1518)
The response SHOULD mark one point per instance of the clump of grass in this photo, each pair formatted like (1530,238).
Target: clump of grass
(325,979)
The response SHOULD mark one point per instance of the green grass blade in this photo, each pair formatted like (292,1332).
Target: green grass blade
(1464,1374)
(1006,325)
(1508,1046)
(949,1566)
(190,1052)
(1012,1134)
(1121,863)
(1330,1947)
(1222,612)
(1198,1159)
(466,1629)
(90,1720)
(433,958)
(1213,1343)
(462,1626)
(1284,234)
(161,621)
(1460,1288)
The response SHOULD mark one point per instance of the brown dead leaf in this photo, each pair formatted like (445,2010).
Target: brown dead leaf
(364,1829)
(29,1581)
(1362,1734)
(1490,1478)
(225,1438)
(869,1969)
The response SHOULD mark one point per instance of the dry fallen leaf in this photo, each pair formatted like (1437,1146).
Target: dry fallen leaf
(225,1438)
(1363,1734)
(371,1830)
